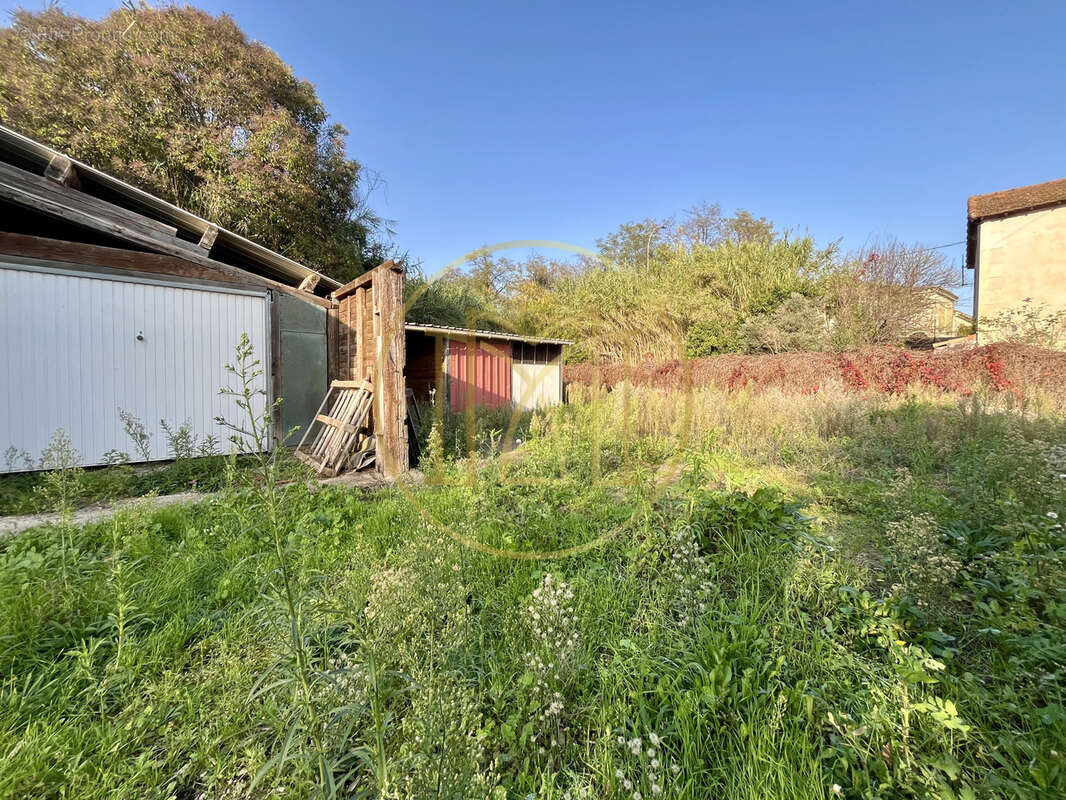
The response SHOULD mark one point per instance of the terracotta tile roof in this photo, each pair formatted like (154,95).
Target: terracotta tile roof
(1010,201)
(1013,201)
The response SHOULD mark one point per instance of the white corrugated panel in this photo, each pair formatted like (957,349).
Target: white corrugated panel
(70,358)
(536,385)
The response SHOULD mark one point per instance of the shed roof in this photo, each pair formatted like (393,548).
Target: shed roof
(25,153)
(1007,202)
(480,334)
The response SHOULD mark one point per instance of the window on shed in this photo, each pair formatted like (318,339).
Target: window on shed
(529,353)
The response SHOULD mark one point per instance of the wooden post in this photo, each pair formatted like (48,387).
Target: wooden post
(375,327)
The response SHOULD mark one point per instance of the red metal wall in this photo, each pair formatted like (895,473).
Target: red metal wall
(491,374)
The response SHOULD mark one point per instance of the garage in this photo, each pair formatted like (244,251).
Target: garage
(153,348)
(112,299)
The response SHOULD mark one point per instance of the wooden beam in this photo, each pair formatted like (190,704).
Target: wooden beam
(61,170)
(207,241)
(354,385)
(76,253)
(309,283)
(63,202)
(365,278)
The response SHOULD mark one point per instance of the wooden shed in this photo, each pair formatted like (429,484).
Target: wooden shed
(484,368)
(112,299)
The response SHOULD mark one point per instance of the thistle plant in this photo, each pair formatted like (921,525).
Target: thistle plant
(181,440)
(297,670)
(61,488)
(125,611)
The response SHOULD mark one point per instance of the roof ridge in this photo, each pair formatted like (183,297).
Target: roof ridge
(1018,200)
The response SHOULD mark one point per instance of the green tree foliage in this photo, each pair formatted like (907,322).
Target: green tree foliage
(702,284)
(632,245)
(799,323)
(183,105)
(877,295)
(448,300)
(690,299)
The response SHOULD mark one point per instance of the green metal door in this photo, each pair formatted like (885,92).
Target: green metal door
(303,362)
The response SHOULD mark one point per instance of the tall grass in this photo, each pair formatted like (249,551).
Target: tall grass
(826,599)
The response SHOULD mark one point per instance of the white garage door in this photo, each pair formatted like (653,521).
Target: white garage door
(75,349)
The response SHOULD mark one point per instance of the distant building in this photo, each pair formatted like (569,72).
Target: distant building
(1016,245)
(939,319)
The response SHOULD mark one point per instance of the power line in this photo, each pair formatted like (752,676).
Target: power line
(941,246)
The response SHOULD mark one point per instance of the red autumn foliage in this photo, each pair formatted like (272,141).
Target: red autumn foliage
(890,370)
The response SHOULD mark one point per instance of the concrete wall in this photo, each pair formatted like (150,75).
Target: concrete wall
(1020,257)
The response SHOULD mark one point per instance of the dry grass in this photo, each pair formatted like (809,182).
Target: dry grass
(1017,371)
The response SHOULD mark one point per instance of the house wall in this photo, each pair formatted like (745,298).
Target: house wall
(1019,257)
(479,373)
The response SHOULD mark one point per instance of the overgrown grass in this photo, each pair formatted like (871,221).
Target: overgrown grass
(21,493)
(771,597)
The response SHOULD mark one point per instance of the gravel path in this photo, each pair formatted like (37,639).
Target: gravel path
(94,513)
(9,526)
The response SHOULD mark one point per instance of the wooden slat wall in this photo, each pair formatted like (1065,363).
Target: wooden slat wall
(366,336)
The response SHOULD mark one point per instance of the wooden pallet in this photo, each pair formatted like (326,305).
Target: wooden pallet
(341,429)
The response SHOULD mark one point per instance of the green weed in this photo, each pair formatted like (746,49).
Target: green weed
(870,605)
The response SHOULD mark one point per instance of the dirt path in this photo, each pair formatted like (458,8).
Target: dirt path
(9,526)
(96,512)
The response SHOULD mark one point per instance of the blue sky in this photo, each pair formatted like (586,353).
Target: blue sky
(492,122)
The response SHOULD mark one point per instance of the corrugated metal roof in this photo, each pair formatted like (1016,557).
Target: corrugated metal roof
(480,334)
(28,150)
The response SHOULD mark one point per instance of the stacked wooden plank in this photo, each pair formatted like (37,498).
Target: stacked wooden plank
(342,436)
(366,337)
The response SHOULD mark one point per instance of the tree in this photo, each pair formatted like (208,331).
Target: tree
(880,292)
(746,227)
(799,323)
(633,245)
(183,105)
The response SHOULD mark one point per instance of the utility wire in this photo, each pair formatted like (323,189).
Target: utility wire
(941,246)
